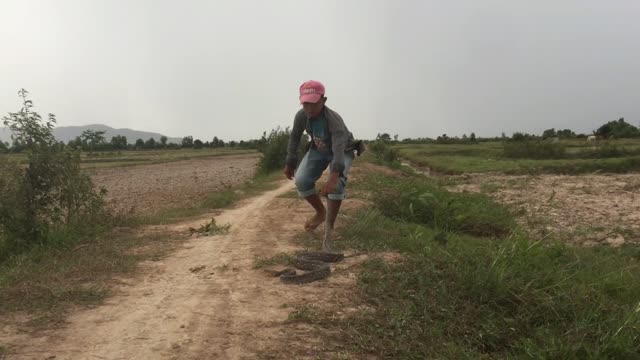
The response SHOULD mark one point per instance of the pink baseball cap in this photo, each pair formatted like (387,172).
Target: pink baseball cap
(311,91)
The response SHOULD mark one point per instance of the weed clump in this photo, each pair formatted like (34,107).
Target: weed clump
(420,201)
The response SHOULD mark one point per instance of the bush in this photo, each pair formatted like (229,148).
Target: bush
(274,149)
(384,153)
(421,202)
(50,193)
(534,149)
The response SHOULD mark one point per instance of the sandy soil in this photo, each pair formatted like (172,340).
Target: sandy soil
(206,300)
(587,209)
(146,189)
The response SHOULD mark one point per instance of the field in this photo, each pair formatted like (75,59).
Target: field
(486,258)
(580,157)
(150,188)
(145,157)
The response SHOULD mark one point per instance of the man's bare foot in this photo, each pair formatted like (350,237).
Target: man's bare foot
(315,221)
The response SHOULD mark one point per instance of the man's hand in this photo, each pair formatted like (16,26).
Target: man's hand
(288,172)
(331,184)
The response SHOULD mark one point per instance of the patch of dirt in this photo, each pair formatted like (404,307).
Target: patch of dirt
(585,209)
(147,189)
(206,300)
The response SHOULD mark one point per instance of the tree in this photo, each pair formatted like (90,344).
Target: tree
(549,133)
(472,137)
(139,144)
(565,134)
(395,137)
(215,142)
(50,192)
(119,142)
(150,144)
(518,136)
(4,147)
(619,129)
(163,141)
(187,141)
(197,144)
(233,143)
(384,137)
(92,139)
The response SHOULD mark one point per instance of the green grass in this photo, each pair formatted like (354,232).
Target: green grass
(421,200)
(47,280)
(488,157)
(457,296)
(278,259)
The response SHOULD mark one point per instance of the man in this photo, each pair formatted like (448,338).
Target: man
(332,145)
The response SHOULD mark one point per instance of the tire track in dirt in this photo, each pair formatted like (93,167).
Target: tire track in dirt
(228,310)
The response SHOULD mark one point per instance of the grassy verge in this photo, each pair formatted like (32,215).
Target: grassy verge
(45,281)
(458,295)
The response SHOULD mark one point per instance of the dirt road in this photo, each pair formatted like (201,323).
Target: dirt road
(226,310)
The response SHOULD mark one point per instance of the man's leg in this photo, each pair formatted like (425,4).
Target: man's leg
(321,213)
(333,205)
(309,171)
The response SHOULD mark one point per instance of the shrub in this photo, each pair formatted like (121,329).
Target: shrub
(383,152)
(50,193)
(534,149)
(419,201)
(274,149)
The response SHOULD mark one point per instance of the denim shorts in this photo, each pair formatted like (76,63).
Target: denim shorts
(311,168)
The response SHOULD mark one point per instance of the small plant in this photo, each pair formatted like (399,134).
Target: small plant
(304,313)
(51,193)
(383,152)
(274,149)
(210,228)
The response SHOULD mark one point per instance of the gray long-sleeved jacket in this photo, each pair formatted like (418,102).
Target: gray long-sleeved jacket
(341,138)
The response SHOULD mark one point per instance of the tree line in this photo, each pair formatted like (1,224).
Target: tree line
(616,129)
(92,140)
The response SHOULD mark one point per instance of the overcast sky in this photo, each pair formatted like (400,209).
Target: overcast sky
(413,68)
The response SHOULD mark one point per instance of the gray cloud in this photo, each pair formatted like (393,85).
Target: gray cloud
(415,68)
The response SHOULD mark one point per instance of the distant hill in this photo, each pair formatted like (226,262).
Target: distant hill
(66,133)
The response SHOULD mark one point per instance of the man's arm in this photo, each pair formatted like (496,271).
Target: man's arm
(299,123)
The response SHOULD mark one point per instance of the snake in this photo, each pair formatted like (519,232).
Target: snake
(316,265)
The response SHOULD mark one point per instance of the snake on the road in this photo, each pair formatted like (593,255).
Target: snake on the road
(316,265)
